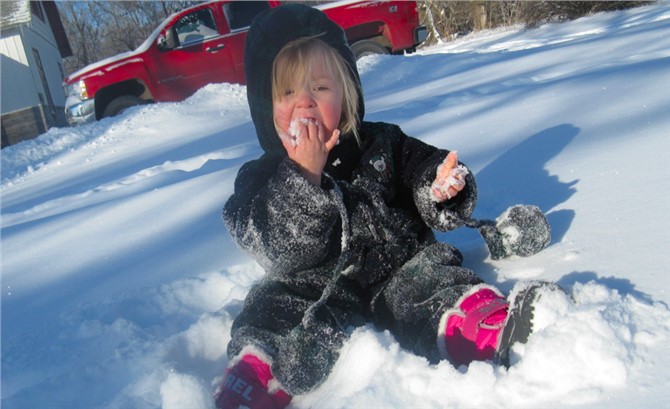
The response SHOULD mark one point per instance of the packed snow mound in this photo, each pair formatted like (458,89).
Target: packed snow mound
(578,352)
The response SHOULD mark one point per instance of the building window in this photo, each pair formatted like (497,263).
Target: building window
(36,8)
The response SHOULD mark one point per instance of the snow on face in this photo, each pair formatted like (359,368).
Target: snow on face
(294,134)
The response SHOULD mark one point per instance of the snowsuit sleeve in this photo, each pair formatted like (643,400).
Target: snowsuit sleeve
(419,167)
(282,220)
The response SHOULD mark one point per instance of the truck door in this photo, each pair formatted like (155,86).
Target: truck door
(239,15)
(199,55)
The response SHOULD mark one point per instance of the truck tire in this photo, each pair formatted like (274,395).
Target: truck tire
(368,47)
(120,104)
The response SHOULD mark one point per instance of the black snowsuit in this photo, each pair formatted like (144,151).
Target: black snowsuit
(362,242)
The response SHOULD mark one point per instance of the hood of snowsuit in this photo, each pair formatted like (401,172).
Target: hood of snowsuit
(269,33)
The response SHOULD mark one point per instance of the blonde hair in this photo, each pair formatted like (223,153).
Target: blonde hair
(294,64)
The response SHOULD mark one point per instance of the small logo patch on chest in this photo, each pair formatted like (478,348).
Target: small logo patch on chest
(381,164)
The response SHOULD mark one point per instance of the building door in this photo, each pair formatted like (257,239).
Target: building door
(50,108)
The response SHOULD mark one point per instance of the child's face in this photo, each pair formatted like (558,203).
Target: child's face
(317,98)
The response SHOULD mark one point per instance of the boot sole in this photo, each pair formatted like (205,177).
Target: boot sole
(519,323)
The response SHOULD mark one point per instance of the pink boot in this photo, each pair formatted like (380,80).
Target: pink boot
(249,383)
(484,326)
(473,329)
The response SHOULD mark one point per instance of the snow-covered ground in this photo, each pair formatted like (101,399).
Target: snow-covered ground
(120,282)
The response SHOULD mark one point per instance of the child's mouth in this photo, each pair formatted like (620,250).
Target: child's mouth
(294,126)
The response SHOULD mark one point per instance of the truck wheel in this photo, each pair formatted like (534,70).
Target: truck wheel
(120,104)
(368,47)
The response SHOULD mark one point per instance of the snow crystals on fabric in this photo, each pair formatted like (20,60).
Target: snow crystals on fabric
(524,230)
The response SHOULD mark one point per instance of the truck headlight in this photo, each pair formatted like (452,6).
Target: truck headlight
(77,89)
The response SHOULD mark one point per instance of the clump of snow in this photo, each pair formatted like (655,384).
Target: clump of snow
(181,391)
(120,283)
(456,179)
(294,133)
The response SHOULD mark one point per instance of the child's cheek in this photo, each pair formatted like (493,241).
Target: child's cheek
(282,118)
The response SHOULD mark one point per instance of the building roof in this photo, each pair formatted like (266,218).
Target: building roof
(14,13)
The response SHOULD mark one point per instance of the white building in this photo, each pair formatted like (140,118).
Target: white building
(33,44)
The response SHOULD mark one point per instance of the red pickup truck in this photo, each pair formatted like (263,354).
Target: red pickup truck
(205,44)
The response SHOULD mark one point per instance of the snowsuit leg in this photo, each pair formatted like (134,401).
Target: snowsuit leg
(412,302)
(271,319)
(270,311)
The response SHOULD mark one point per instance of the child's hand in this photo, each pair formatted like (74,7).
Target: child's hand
(450,178)
(308,146)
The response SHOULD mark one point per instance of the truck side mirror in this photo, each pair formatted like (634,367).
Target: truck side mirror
(168,41)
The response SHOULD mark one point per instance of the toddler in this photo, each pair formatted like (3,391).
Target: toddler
(340,212)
